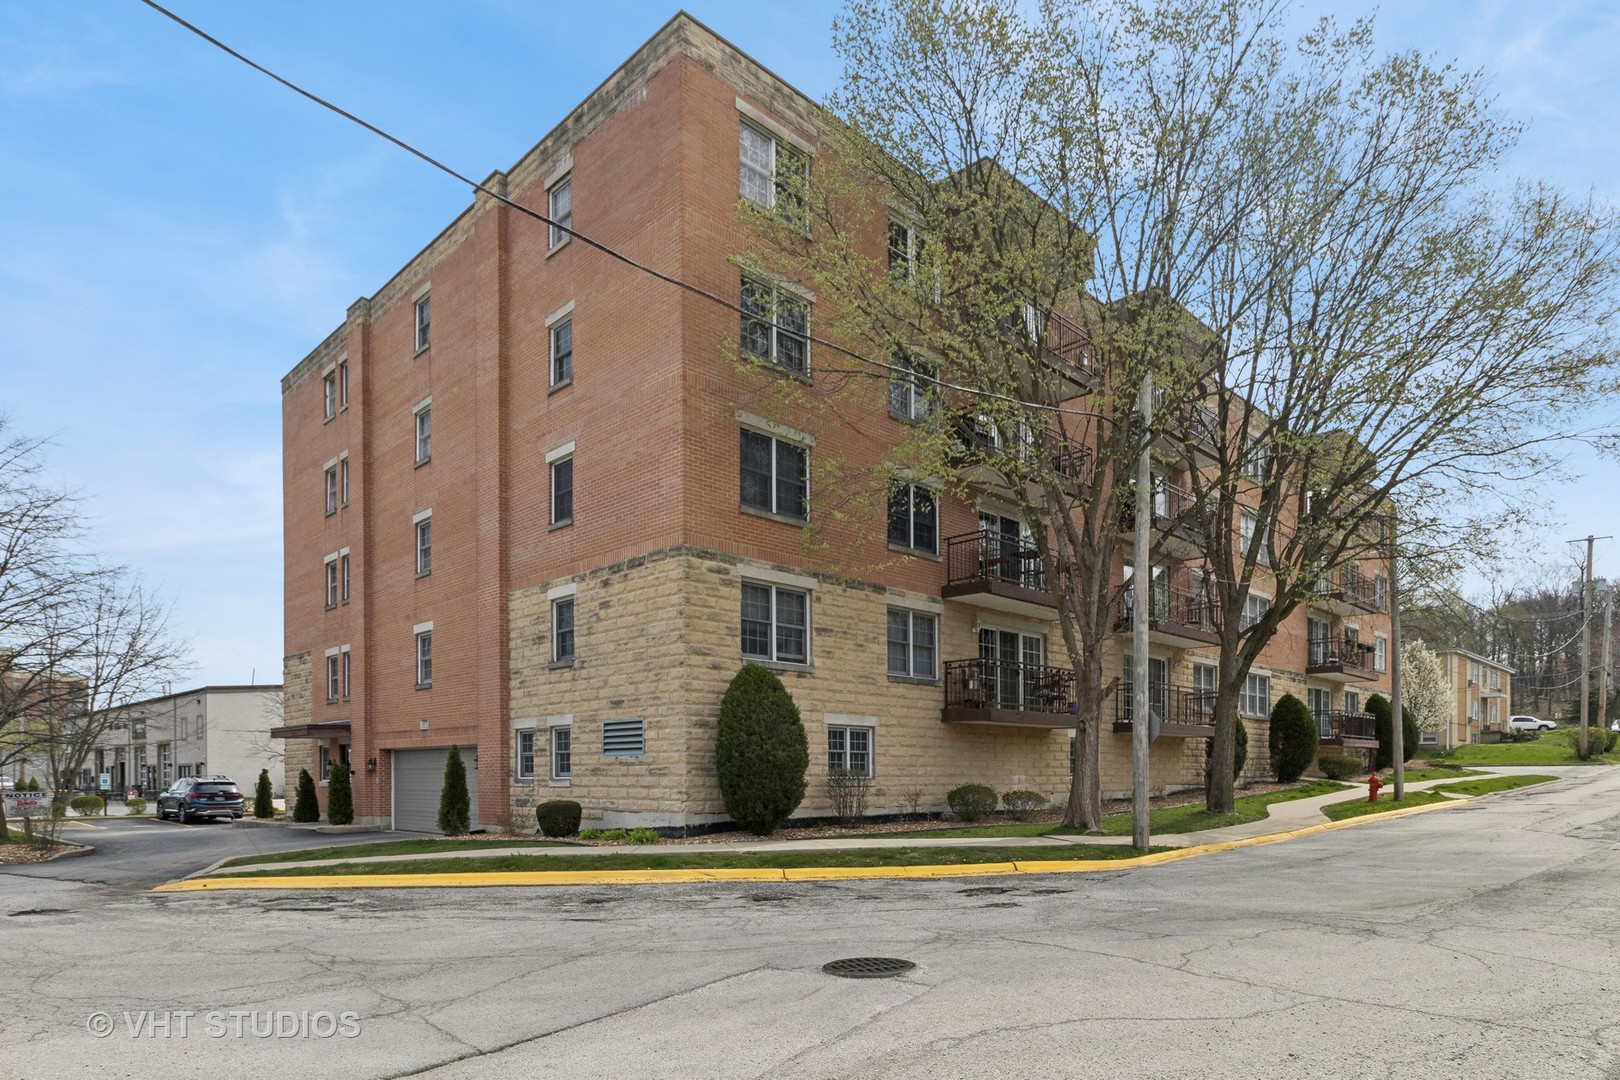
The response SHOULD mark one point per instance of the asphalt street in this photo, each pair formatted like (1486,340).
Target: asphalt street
(1475,942)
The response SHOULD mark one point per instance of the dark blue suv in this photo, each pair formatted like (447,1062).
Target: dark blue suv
(201,797)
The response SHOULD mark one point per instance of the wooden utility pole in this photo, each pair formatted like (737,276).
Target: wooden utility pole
(1141,580)
(1603,671)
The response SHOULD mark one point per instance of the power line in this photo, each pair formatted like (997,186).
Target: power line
(612,253)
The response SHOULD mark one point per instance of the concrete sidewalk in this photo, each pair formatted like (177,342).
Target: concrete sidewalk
(1283,817)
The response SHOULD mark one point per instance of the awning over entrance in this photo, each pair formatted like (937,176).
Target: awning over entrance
(332,729)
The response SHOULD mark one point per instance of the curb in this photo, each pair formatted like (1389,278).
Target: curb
(808,873)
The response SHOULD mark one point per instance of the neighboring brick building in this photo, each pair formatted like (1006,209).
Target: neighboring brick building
(534,510)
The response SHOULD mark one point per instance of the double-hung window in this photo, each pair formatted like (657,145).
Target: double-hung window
(911,388)
(424,432)
(913,644)
(562,631)
(1248,526)
(333,675)
(424,544)
(525,754)
(343,480)
(914,518)
(773,174)
(1380,652)
(423,320)
(329,394)
(775,624)
(343,384)
(343,573)
(910,262)
(562,352)
(775,326)
(561,205)
(849,751)
(562,490)
(332,581)
(348,669)
(562,751)
(775,475)
(1254,609)
(1204,690)
(1255,699)
(424,657)
(332,488)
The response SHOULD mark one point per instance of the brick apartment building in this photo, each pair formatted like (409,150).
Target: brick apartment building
(533,509)
(1482,696)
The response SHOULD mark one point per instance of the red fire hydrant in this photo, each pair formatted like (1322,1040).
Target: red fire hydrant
(1373,784)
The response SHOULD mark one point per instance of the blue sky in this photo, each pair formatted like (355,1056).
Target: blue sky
(179,231)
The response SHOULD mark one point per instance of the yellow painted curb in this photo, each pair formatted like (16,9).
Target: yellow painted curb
(529,878)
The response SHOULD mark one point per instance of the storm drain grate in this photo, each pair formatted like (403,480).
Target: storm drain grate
(868,967)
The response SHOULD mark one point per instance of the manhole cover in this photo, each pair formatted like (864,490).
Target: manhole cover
(868,967)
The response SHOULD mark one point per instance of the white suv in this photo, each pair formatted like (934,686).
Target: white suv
(1529,723)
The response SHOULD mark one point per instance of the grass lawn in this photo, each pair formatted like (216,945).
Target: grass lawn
(1497,783)
(1386,801)
(1171,819)
(771,860)
(387,847)
(1553,748)
(1414,775)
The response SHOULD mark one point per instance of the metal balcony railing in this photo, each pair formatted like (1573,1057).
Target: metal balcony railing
(1338,653)
(1174,704)
(991,557)
(1008,684)
(1339,724)
(1174,606)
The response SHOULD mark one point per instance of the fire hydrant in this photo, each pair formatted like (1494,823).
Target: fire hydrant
(1373,784)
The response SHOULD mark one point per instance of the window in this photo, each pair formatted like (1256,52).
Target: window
(343,384)
(424,546)
(1254,609)
(775,326)
(1204,689)
(562,491)
(1247,529)
(775,475)
(910,261)
(525,755)
(424,657)
(913,644)
(562,352)
(329,394)
(775,624)
(331,581)
(347,668)
(1381,591)
(849,750)
(423,312)
(1320,703)
(1255,700)
(326,763)
(331,489)
(1380,652)
(624,738)
(1257,462)
(561,199)
(773,174)
(343,480)
(562,631)
(562,756)
(911,388)
(1352,701)
(424,433)
(332,676)
(343,561)
(914,519)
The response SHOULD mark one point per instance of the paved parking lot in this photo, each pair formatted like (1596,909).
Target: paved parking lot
(1472,943)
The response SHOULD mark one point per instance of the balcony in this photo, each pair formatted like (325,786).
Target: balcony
(980,449)
(1179,617)
(1066,352)
(1351,591)
(1184,425)
(1178,519)
(1188,714)
(1340,659)
(1002,573)
(1347,730)
(1008,692)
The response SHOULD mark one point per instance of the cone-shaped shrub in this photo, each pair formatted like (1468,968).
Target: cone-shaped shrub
(558,817)
(264,805)
(760,751)
(339,796)
(455,807)
(306,807)
(1294,739)
(1379,706)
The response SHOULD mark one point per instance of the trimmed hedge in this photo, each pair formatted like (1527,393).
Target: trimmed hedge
(135,806)
(971,802)
(87,804)
(1339,766)
(1023,804)
(558,817)
(1294,739)
(761,753)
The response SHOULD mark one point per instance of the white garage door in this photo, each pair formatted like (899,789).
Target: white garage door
(418,780)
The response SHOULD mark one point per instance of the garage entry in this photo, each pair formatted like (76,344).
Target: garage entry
(418,780)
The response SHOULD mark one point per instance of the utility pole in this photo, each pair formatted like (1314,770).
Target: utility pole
(1603,672)
(1141,579)
(1583,747)
(1397,726)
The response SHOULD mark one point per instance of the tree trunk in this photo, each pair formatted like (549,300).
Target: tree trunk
(1084,810)
(1218,797)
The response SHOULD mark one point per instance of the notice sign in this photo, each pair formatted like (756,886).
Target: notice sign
(26,803)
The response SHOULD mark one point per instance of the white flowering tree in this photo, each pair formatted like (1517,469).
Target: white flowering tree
(1424,688)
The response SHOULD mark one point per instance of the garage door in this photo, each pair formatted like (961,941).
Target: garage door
(418,780)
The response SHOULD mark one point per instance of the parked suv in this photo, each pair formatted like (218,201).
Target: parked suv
(1529,723)
(201,797)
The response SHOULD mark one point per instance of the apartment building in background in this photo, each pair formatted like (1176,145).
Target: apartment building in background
(206,731)
(1482,693)
(535,510)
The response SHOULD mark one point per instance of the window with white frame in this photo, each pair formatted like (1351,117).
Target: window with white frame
(1380,652)
(562,630)
(561,206)
(562,751)
(343,385)
(424,657)
(773,173)
(1248,526)
(913,644)
(525,754)
(775,624)
(1381,591)
(562,490)
(910,259)
(1320,704)
(849,750)
(914,518)
(343,574)
(331,488)
(775,326)
(562,351)
(331,581)
(333,676)
(347,671)
(1255,700)
(424,544)
(423,320)
(1257,459)
(424,433)
(329,394)
(911,387)
(1255,607)
(343,480)
(1204,688)
(775,475)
